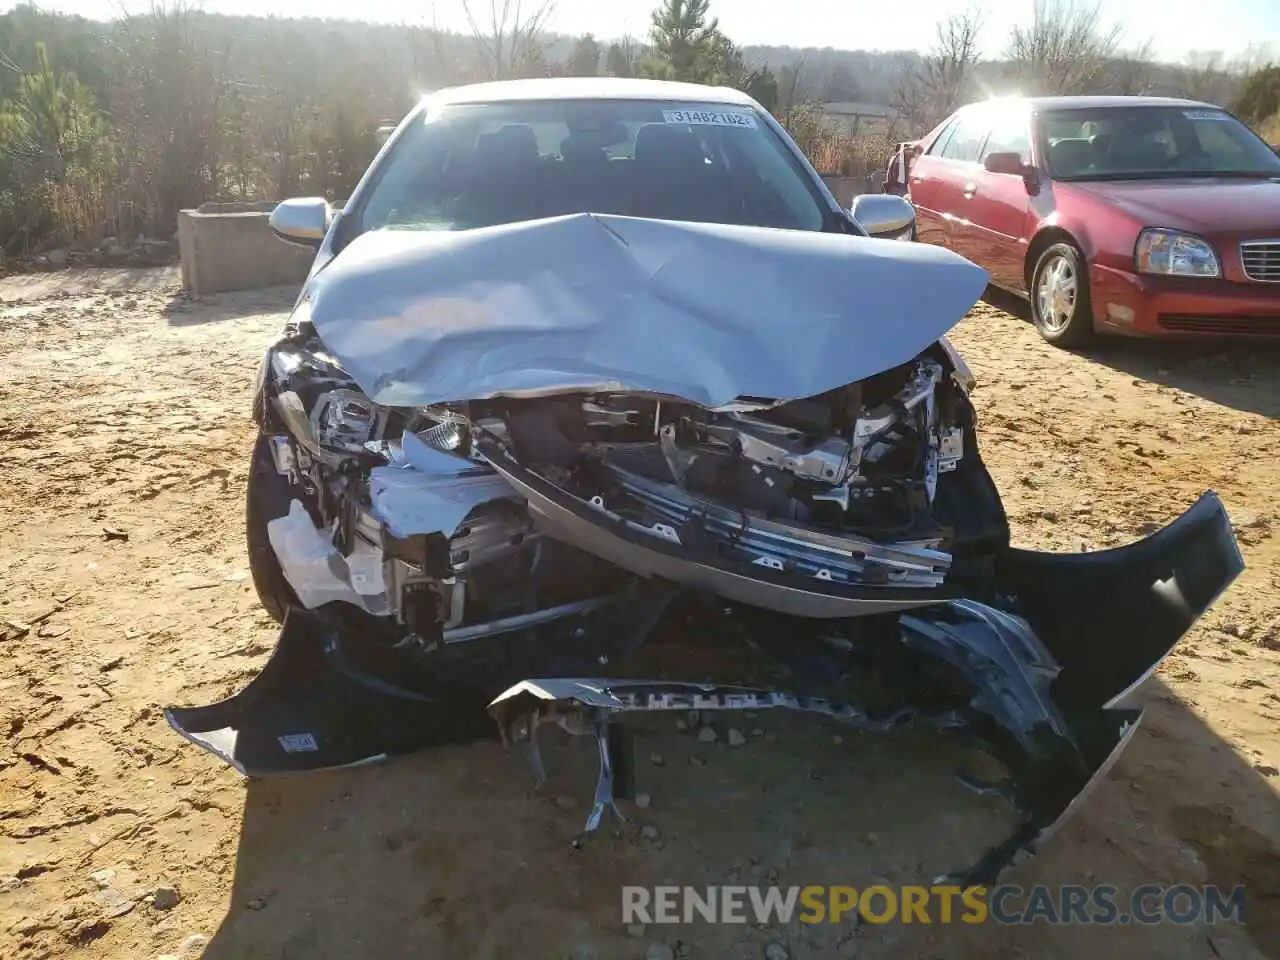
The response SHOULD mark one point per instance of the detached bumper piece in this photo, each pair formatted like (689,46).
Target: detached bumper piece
(311,709)
(1045,791)
(1031,675)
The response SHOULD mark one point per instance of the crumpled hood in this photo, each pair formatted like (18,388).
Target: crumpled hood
(587,302)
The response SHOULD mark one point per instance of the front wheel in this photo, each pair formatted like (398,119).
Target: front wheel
(1060,305)
(268,497)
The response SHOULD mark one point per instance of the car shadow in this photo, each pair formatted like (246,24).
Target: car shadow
(452,853)
(186,309)
(1242,376)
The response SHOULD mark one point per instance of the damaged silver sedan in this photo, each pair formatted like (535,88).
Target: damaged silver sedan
(579,363)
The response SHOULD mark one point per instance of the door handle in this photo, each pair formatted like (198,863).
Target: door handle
(969,190)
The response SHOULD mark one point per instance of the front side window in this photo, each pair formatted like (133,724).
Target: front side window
(474,165)
(1152,142)
(1010,133)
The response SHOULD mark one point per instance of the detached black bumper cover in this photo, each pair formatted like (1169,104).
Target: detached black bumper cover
(1110,617)
(311,708)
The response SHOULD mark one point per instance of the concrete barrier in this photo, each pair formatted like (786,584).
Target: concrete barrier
(229,246)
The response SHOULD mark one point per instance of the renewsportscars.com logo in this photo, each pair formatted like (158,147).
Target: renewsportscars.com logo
(1004,904)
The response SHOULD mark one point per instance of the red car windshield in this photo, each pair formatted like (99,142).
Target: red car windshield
(1141,143)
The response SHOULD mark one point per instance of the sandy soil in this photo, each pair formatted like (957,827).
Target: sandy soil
(124,413)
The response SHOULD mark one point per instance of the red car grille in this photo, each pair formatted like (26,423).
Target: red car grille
(1238,326)
(1261,260)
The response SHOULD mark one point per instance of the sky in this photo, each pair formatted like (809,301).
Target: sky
(1174,27)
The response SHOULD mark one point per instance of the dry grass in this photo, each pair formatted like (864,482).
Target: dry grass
(1270,130)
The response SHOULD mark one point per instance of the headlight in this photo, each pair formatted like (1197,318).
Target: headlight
(1175,254)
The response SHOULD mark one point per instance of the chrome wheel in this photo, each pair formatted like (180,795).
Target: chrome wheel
(1056,294)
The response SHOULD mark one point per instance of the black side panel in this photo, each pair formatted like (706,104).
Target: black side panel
(1110,617)
(309,710)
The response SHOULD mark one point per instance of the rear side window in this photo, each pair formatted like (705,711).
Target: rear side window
(965,143)
(940,142)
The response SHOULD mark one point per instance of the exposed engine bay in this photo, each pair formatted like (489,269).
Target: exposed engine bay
(470,507)
(858,487)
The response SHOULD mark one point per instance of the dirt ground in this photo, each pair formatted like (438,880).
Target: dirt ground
(124,443)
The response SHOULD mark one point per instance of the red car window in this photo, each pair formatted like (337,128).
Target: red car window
(965,143)
(1010,134)
(940,141)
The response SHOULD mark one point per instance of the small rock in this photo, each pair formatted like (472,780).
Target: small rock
(103,877)
(697,761)
(837,739)
(120,908)
(256,903)
(1266,769)
(193,946)
(656,759)
(115,533)
(649,832)
(566,801)
(681,724)
(707,735)
(659,951)
(757,731)
(165,898)
(108,665)
(59,258)
(642,800)
(635,930)
(736,737)
(776,951)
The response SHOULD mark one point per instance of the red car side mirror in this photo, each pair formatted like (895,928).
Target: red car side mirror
(1005,163)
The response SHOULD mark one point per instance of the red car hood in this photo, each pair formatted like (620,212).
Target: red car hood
(1202,205)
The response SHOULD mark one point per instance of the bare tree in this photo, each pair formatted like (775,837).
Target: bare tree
(942,80)
(510,35)
(1130,73)
(793,82)
(1065,50)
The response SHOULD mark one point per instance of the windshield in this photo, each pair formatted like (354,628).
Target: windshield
(476,165)
(1139,143)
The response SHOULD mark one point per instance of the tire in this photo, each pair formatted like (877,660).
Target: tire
(268,497)
(1060,305)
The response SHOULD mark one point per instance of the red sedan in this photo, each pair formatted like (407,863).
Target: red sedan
(1143,216)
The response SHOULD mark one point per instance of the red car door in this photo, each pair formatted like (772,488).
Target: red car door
(939,176)
(999,204)
(927,187)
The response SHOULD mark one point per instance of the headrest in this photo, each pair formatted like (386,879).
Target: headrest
(1070,154)
(667,144)
(512,145)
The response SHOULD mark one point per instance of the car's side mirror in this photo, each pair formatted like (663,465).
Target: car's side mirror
(1010,163)
(884,216)
(301,220)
